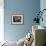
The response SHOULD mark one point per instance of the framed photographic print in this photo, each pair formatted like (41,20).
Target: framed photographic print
(17,19)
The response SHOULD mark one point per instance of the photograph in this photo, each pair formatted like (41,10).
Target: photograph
(17,19)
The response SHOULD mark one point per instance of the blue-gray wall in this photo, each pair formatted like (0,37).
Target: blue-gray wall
(26,7)
(43,6)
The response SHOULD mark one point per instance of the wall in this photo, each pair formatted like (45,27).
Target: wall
(26,7)
(43,6)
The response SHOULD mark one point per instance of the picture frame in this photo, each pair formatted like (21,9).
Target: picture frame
(17,19)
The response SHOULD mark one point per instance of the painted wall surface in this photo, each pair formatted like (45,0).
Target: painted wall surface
(26,7)
(43,6)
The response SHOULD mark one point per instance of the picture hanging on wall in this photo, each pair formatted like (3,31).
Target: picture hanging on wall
(17,19)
